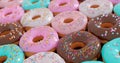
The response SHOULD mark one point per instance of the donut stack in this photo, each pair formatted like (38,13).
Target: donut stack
(59,31)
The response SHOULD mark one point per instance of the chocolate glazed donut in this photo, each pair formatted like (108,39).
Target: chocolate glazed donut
(10,33)
(106,27)
(69,47)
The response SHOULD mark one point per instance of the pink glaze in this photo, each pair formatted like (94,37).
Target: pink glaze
(49,41)
(115,1)
(70,6)
(5,3)
(11,14)
(79,22)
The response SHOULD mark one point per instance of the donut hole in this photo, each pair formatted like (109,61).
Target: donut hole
(69,20)
(77,45)
(80,1)
(3,59)
(1,7)
(36,17)
(107,25)
(94,6)
(38,39)
(5,32)
(9,13)
(34,1)
(63,4)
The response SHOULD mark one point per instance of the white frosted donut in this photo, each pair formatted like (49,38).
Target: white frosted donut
(44,57)
(94,8)
(37,17)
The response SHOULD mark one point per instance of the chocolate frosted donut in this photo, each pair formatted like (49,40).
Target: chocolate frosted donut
(69,47)
(106,27)
(10,33)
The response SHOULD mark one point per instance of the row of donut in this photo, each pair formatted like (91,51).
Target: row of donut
(64,23)
(91,8)
(65,48)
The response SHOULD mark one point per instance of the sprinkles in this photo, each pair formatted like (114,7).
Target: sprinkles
(70,54)
(106,27)
(13,33)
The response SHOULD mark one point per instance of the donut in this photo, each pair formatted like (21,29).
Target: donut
(37,17)
(11,14)
(44,57)
(117,9)
(68,22)
(10,33)
(115,1)
(92,62)
(57,6)
(78,46)
(32,4)
(94,8)
(110,51)
(106,26)
(5,3)
(39,39)
(13,53)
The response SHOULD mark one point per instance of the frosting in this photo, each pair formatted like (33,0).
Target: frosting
(79,22)
(13,52)
(106,26)
(14,34)
(50,40)
(111,50)
(45,57)
(117,9)
(5,3)
(32,4)
(115,1)
(88,52)
(11,14)
(102,7)
(44,17)
(69,5)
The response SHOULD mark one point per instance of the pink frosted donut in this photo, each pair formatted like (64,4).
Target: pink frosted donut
(49,41)
(63,5)
(11,14)
(5,3)
(69,21)
(115,1)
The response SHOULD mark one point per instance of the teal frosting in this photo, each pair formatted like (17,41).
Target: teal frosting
(92,62)
(117,9)
(110,51)
(13,53)
(32,4)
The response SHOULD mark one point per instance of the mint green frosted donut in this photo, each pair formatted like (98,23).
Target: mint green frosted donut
(31,4)
(92,62)
(110,51)
(117,9)
(13,53)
